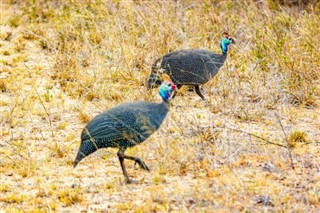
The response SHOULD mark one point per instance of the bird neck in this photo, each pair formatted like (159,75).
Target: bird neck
(224,56)
(165,95)
(165,103)
(224,50)
(221,58)
(224,43)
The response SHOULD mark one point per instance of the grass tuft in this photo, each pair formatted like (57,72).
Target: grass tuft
(3,86)
(69,196)
(297,136)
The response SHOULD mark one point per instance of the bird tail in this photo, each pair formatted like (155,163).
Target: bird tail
(87,146)
(155,74)
(78,159)
(156,65)
(75,163)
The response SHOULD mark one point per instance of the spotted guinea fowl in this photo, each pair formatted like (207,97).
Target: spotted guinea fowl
(190,67)
(125,125)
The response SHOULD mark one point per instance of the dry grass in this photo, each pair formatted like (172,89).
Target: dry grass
(256,148)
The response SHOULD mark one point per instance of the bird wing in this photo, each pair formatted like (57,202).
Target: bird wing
(189,66)
(107,128)
(123,124)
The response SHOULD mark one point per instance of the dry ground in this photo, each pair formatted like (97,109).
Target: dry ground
(255,149)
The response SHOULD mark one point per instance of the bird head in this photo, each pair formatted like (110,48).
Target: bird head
(167,87)
(225,42)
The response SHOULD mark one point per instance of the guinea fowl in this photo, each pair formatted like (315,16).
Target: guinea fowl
(190,67)
(125,125)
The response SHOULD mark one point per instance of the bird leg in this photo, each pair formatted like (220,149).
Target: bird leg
(196,87)
(122,156)
(138,161)
(141,164)
(199,93)
(121,159)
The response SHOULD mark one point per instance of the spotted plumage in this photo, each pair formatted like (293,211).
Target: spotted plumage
(190,67)
(125,125)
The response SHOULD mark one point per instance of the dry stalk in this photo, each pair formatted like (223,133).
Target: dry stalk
(286,140)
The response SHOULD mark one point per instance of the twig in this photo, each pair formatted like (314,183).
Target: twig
(257,136)
(46,111)
(44,107)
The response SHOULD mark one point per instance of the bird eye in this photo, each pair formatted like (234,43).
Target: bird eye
(169,84)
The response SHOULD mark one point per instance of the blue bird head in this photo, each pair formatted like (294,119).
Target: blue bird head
(167,87)
(225,42)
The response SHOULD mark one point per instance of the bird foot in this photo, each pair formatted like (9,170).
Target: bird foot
(129,181)
(132,181)
(141,164)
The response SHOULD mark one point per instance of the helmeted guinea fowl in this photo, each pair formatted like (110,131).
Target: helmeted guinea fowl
(190,67)
(125,125)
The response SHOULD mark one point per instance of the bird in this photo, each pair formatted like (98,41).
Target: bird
(124,126)
(190,67)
